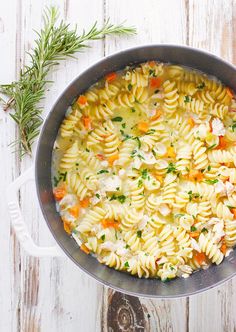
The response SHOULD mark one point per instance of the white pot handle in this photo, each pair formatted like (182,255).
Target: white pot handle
(19,224)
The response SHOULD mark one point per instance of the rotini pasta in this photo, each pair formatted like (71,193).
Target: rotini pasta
(144,171)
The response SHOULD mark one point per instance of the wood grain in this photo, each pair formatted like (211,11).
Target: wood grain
(53,294)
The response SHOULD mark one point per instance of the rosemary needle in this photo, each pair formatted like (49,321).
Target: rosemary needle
(54,43)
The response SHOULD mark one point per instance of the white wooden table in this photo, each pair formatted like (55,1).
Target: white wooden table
(53,295)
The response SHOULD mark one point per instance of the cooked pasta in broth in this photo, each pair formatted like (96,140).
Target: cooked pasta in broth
(144,171)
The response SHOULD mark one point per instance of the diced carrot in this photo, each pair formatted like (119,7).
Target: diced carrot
(195,175)
(152,63)
(194,234)
(233,210)
(223,248)
(85,202)
(110,223)
(158,177)
(191,122)
(67,226)
(210,125)
(155,82)
(86,121)
(74,211)
(223,143)
(111,77)
(157,115)
(200,257)
(59,192)
(84,248)
(170,152)
(100,156)
(111,159)
(82,100)
(230,92)
(143,126)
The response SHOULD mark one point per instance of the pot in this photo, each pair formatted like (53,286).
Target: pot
(153,288)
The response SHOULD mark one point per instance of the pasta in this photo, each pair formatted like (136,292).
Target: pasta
(144,171)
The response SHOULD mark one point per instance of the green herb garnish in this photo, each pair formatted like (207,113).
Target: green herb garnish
(171,168)
(211,147)
(204,230)
(138,141)
(103,237)
(97,195)
(193,195)
(234,126)
(212,181)
(117,119)
(139,234)
(187,99)
(103,171)
(123,125)
(129,87)
(144,173)
(193,228)
(201,86)
(126,264)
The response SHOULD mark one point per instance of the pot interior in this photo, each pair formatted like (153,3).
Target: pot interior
(186,56)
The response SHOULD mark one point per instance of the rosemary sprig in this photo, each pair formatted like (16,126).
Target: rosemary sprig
(54,43)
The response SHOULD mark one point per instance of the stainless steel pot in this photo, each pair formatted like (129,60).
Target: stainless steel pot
(123,282)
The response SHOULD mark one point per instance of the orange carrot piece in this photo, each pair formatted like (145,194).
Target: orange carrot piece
(67,226)
(230,92)
(157,115)
(85,202)
(100,156)
(223,143)
(194,234)
(86,121)
(84,248)
(59,193)
(195,175)
(223,248)
(233,210)
(191,122)
(74,211)
(200,257)
(111,77)
(155,82)
(152,63)
(111,159)
(109,223)
(143,126)
(82,100)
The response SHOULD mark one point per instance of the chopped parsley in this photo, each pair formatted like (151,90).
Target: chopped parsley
(126,246)
(204,230)
(103,237)
(129,87)
(133,110)
(126,264)
(87,150)
(140,157)
(97,195)
(172,268)
(208,168)
(152,73)
(234,126)
(122,132)
(117,119)
(151,131)
(201,86)
(123,125)
(193,195)
(156,91)
(120,198)
(140,183)
(61,177)
(211,147)
(103,171)
(138,141)
(211,181)
(193,228)
(154,153)
(187,99)
(139,234)
(178,215)
(144,173)
(171,168)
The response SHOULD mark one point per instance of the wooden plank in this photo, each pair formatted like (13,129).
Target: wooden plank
(55,294)
(122,312)
(211,27)
(9,253)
